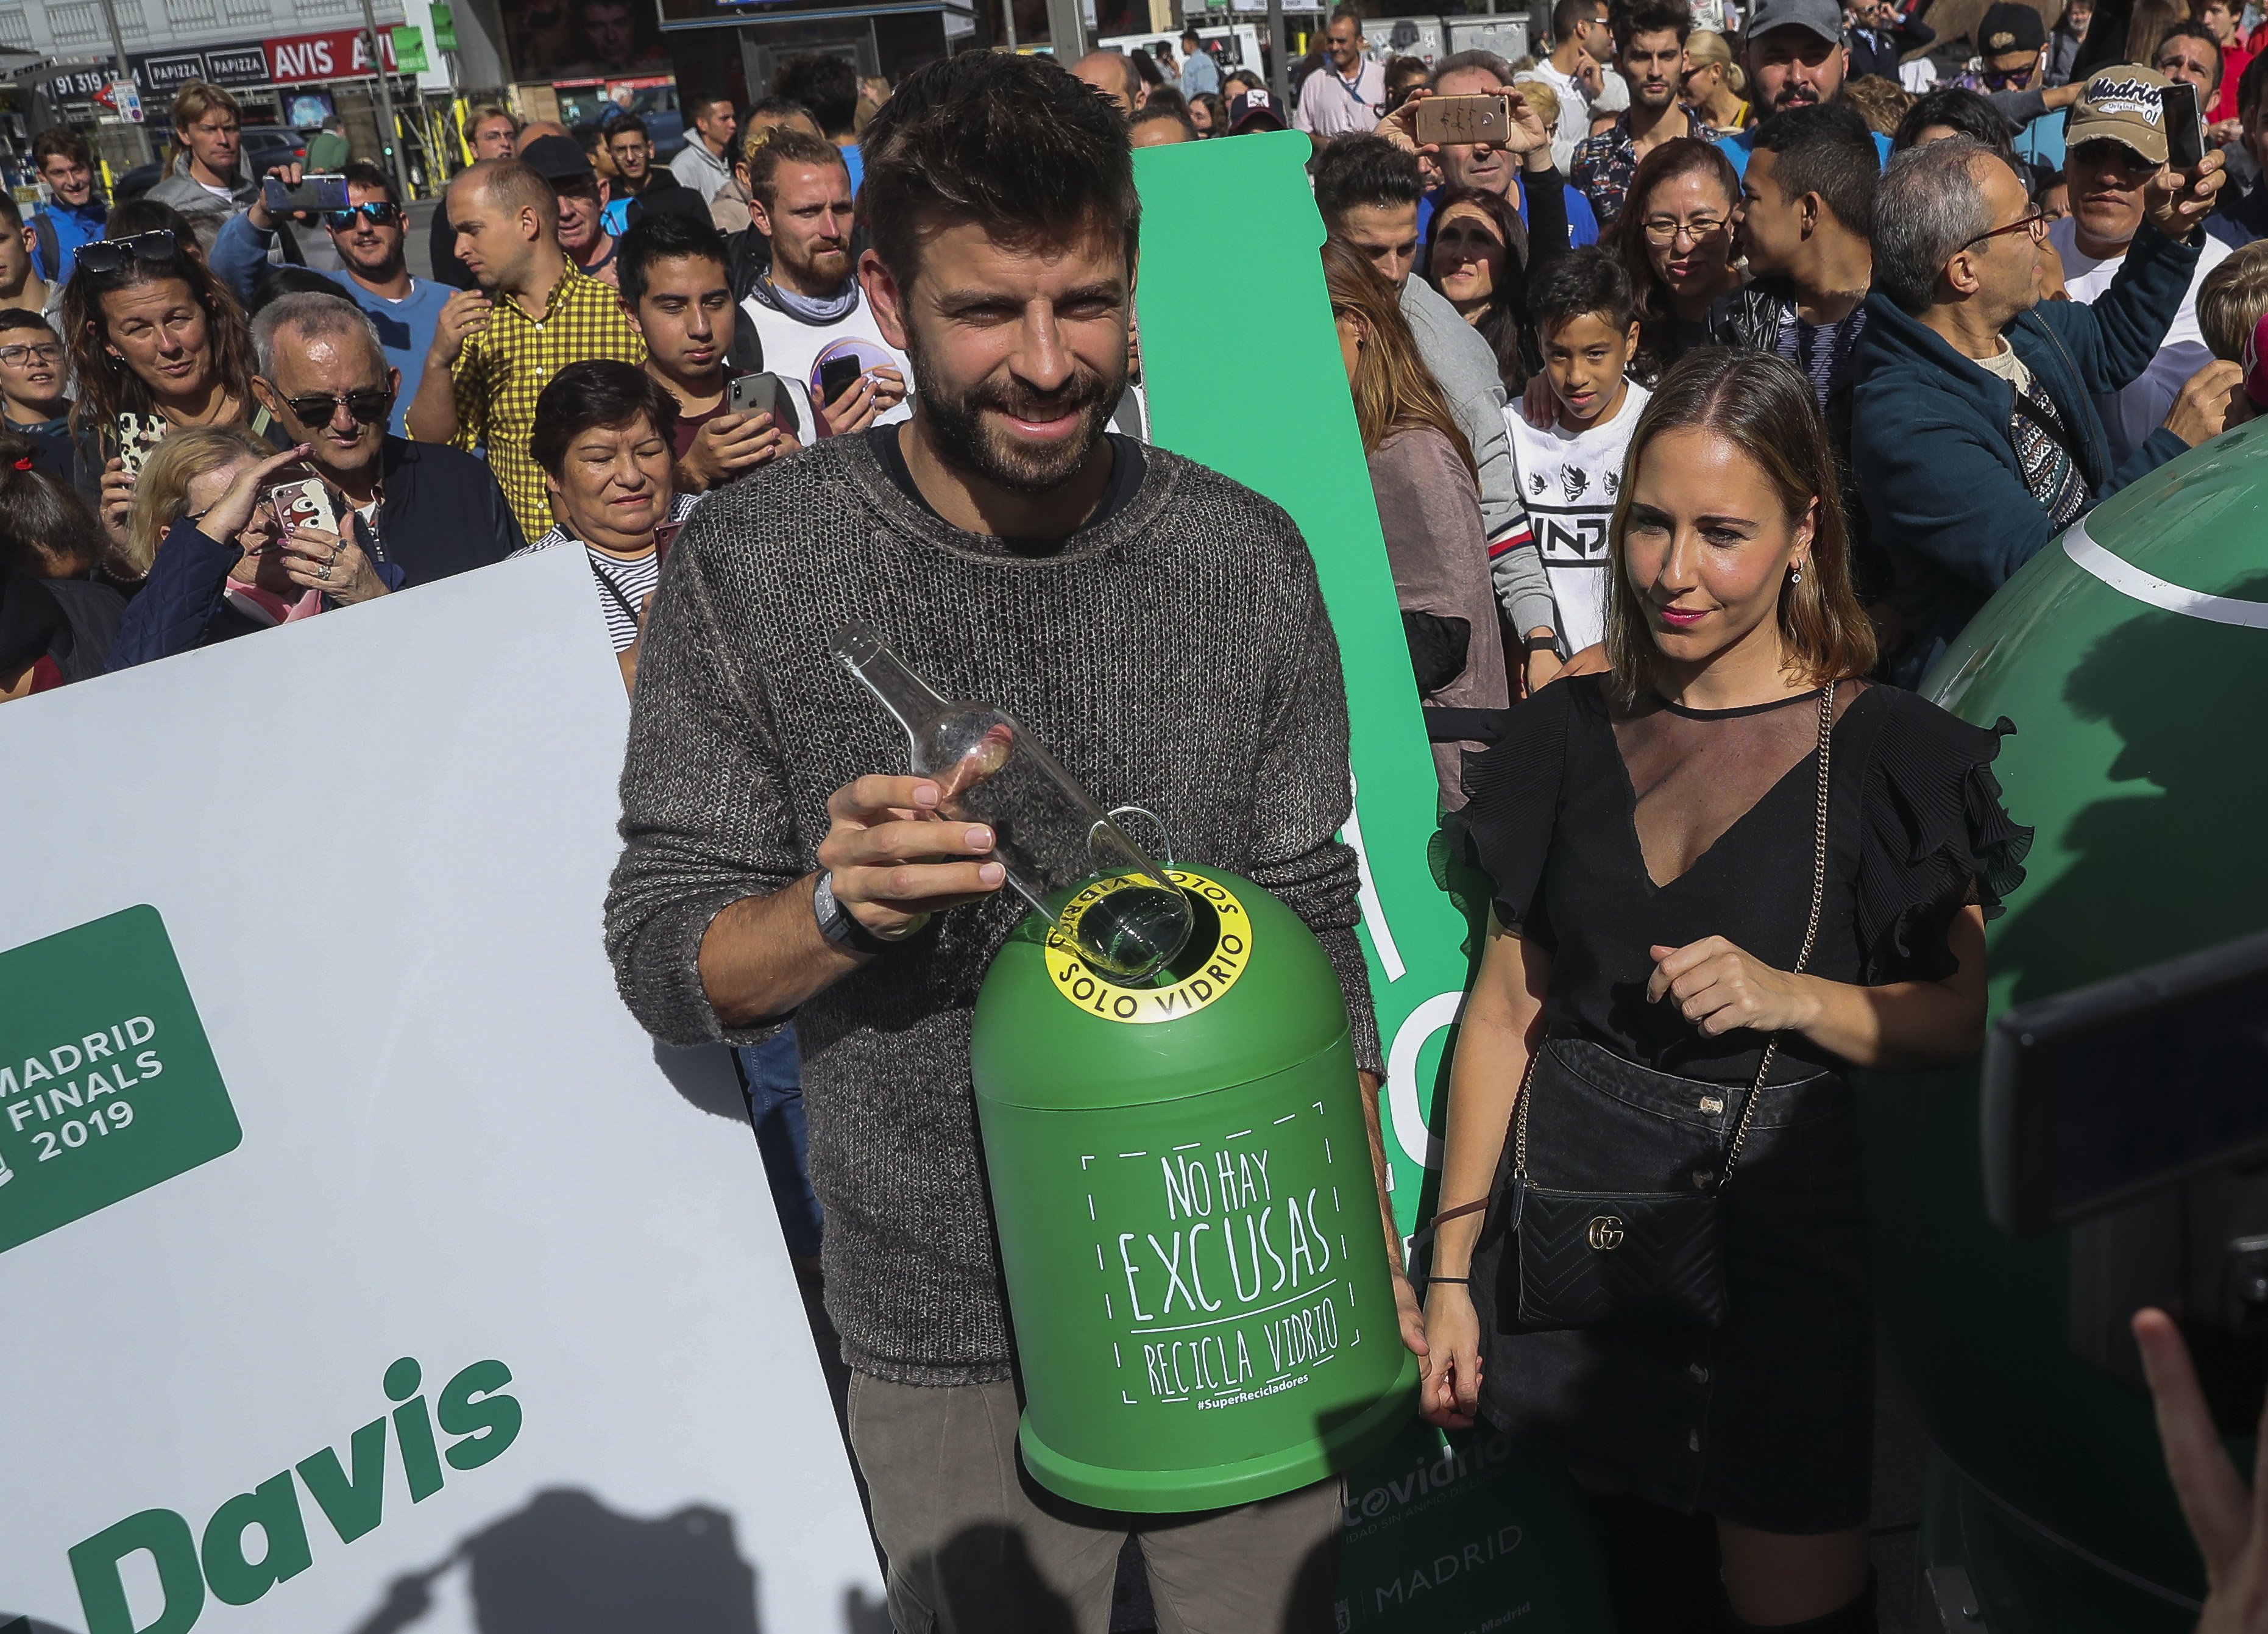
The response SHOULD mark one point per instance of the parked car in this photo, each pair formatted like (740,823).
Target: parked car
(267,146)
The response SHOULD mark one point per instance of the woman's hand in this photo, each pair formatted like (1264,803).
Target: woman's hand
(1449,1371)
(116,505)
(1717,988)
(317,559)
(226,516)
(2230,1524)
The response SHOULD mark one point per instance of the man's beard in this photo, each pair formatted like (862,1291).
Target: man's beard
(1794,93)
(956,420)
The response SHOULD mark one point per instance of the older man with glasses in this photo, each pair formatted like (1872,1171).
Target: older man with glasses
(431,508)
(1976,436)
(370,234)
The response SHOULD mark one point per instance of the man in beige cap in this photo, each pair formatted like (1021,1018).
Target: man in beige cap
(2114,146)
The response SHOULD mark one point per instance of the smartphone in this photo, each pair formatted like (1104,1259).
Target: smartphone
(299,499)
(756,393)
(313,193)
(664,537)
(1457,121)
(138,437)
(835,376)
(2185,127)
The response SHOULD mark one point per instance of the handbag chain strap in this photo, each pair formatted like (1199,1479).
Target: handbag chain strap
(1810,938)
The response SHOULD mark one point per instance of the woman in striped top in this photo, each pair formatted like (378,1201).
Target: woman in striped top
(602,439)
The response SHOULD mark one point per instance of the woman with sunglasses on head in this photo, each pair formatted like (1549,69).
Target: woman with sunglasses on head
(1725,870)
(370,235)
(219,560)
(156,342)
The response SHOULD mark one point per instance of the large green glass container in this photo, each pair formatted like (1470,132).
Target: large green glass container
(2128,653)
(1182,1177)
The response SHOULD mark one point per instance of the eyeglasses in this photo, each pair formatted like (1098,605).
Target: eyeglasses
(368,407)
(384,212)
(48,352)
(106,257)
(1669,229)
(2035,224)
(2002,78)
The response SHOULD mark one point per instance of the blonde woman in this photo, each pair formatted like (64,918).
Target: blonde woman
(1422,473)
(1713,83)
(217,563)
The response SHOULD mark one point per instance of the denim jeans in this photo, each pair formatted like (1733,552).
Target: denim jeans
(771,1077)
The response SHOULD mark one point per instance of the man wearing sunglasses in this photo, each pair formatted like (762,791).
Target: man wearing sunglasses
(430,509)
(1976,438)
(369,236)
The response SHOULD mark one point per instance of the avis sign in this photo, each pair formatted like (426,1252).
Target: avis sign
(338,54)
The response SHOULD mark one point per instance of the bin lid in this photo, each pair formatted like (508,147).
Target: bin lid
(1252,993)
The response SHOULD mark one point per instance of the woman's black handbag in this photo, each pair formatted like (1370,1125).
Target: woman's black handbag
(1591,1257)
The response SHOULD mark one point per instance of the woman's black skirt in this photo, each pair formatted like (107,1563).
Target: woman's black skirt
(1768,1421)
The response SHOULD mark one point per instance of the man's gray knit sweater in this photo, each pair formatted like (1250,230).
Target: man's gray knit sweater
(1175,654)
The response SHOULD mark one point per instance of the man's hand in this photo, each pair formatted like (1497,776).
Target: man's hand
(2201,412)
(2230,1524)
(2178,203)
(1527,134)
(463,315)
(263,217)
(895,861)
(1400,127)
(729,444)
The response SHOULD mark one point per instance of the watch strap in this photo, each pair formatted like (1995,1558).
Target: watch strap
(837,924)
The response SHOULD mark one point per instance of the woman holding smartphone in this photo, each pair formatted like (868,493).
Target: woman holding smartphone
(156,342)
(1725,870)
(218,561)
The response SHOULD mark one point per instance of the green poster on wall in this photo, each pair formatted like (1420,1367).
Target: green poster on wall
(444,27)
(1447,1535)
(108,1087)
(409,48)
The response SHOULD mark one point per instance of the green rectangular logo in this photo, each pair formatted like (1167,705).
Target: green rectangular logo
(107,1084)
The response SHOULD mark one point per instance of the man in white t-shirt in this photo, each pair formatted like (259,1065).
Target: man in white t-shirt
(810,318)
(2114,145)
(1571,470)
(1346,94)
(1583,47)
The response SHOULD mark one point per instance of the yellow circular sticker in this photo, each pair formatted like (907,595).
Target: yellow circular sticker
(1098,995)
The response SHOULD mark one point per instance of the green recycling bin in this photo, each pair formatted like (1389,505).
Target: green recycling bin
(1182,1177)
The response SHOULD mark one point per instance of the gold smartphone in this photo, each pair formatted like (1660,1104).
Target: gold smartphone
(1458,121)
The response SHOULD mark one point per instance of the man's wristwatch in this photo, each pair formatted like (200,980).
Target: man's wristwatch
(1541,643)
(836,922)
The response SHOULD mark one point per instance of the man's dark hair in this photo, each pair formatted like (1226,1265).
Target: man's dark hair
(591,137)
(10,212)
(23,318)
(1155,112)
(1567,13)
(1585,281)
(666,235)
(362,172)
(826,85)
(63,140)
(787,145)
(1957,109)
(2252,87)
(627,125)
(1354,171)
(1827,149)
(1018,144)
(1653,18)
(279,281)
(595,391)
(1190,35)
(2198,31)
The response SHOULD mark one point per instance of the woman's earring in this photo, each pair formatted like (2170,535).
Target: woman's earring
(1796,576)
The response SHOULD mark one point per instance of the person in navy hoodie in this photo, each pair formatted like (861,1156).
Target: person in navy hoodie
(1975,435)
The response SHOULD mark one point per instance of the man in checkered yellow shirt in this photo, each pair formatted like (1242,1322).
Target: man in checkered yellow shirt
(495,347)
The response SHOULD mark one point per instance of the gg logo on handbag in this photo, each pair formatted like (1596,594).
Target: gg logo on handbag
(1606,1232)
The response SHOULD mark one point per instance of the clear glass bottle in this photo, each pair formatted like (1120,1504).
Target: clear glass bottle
(1051,837)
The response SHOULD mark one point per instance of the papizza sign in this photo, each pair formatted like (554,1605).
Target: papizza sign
(108,1085)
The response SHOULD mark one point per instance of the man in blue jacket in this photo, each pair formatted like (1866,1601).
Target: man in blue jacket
(1975,438)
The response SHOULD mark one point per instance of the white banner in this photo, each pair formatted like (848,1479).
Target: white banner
(435,1299)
